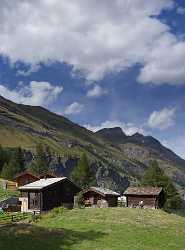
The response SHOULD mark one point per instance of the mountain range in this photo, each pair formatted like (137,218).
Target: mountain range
(118,160)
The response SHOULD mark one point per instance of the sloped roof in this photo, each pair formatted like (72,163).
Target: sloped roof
(102,191)
(39,176)
(24,173)
(42,183)
(143,191)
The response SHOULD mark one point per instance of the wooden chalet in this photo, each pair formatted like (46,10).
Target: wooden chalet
(25,177)
(45,194)
(100,197)
(146,197)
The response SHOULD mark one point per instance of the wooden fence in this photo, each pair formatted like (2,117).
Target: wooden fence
(6,218)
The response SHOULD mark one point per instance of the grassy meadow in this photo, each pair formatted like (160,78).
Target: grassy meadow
(98,229)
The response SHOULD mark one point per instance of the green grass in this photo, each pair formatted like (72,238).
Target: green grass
(98,229)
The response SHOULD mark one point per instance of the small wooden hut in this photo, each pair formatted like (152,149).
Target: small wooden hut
(146,197)
(100,197)
(45,194)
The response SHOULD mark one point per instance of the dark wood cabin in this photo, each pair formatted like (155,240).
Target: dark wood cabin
(100,197)
(25,177)
(146,197)
(45,194)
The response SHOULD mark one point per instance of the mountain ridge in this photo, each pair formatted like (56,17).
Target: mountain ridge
(137,138)
(117,159)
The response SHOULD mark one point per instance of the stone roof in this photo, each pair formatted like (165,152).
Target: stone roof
(40,184)
(143,191)
(103,191)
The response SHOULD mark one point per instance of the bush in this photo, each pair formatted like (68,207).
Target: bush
(80,200)
(56,211)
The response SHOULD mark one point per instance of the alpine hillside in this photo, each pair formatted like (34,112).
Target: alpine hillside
(116,158)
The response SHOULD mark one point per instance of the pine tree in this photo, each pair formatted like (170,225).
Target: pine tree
(82,174)
(5,173)
(156,177)
(19,158)
(41,164)
(9,169)
(2,158)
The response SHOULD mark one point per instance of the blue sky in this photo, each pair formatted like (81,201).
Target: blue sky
(100,63)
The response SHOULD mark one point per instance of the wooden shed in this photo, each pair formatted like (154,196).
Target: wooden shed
(25,177)
(146,197)
(45,194)
(100,197)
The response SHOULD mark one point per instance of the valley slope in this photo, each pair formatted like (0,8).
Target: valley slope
(117,159)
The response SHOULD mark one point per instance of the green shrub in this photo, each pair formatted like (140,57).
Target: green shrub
(80,200)
(56,211)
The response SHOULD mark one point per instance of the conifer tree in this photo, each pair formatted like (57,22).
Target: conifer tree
(156,177)
(19,158)
(10,169)
(2,158)
(82,174)
(40,164)
(5,173)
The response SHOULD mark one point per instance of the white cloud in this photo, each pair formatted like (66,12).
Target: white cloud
(33,68)
(181,10)
(165,63)
(73,108)
(162,119)
(128,128)
(35,94)
(96,91)
(101,37)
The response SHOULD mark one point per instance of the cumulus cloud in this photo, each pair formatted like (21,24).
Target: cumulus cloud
(181,10)
(73,108)
(35,94)
(32,69)
(162,119)
(96,91)
(128,128)
(101,37)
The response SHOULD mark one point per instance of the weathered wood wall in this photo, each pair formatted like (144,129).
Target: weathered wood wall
(91,198)
(148,201)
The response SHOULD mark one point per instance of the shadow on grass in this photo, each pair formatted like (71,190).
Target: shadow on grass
(31,237)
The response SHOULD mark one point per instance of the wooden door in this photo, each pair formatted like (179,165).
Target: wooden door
(34,201)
